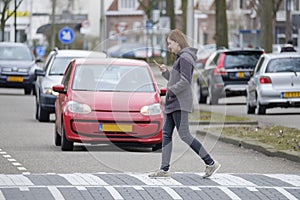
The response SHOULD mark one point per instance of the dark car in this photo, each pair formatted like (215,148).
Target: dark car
(55,65)
(17,66)
(226,73)
(133,50)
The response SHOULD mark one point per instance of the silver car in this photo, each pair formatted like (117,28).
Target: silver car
(275,83)
(55,65)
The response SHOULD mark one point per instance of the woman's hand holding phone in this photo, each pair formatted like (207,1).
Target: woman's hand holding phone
(161,67)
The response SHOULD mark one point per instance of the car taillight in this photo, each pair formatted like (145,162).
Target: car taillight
(265,80)
(220,69)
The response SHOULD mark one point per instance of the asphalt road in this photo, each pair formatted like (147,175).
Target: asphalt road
(32,167)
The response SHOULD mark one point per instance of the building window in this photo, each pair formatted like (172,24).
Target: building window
(127,4)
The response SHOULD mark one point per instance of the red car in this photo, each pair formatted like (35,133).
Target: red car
(108,100)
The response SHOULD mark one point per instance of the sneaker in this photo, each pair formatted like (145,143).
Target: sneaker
(211,169)
(159,174)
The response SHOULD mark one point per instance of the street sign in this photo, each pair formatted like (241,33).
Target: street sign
(40,51)
(66,35)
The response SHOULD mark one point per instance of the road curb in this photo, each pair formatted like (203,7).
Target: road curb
(255,145)
(225,123)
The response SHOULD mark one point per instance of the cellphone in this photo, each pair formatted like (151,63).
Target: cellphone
(156,63)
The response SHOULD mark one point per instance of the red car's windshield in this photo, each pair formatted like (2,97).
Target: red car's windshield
(112,78)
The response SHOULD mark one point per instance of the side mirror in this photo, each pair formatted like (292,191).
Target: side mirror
(59,88)
(163,91)
(39,72)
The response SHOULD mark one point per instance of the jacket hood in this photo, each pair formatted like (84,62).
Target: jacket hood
(189,53)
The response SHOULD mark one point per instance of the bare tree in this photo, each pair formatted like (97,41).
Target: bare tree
(221,24)
(267,21)
(5,15)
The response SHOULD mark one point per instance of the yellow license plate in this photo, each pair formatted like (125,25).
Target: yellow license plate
(115,128)
(290,94)
(240,74)
(15,79)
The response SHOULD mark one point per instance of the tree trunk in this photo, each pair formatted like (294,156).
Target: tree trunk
(266,23)
(170,13)
(221,24)
(184,15)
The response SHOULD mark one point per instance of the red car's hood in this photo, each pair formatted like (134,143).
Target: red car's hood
(116,101)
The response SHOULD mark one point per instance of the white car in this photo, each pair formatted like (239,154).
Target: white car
(275,83)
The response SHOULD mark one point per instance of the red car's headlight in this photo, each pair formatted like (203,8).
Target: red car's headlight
(79,108)
(153,109)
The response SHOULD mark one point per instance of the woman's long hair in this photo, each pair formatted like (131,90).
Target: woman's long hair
(177,36)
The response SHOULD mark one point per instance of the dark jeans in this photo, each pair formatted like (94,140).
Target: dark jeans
(180,120)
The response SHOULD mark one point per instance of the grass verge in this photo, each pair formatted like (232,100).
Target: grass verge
(207,116)
(281,138)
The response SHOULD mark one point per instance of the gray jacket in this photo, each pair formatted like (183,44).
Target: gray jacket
(179,89)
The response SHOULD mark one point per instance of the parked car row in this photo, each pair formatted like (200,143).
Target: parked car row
(267,80)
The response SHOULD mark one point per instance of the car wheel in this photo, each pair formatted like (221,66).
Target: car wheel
(43,116)
(157,147)
(66,145)
(201,98)
(212,98)
(250,109)
(57,137)
(261,109)
(27,90)
(36,111)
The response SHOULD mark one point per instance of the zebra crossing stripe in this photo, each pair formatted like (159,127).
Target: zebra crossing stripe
(55,193)
(155,181)
(229,193)
(288,178)
(172,193)
(1,196)
(286,194)
(114,193)
(83,179)
(15,179)
(231,180)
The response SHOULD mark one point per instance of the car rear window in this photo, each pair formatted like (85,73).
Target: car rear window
(283,65)
(245,59)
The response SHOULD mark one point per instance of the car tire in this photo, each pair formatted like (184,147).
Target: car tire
(157,147)
(36,111)
(57,137)
(250,109)
(43,116)
(27,90)
(212,98)
(66,145)
(261,109)
(201,98)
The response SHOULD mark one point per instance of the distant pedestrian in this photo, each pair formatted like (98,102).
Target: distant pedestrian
(178,105)
(289,47)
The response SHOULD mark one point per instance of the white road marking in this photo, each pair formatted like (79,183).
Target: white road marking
(229,193)
(172,193)
(55,193)
(286,194)
(288,178)
(252,189)
(155,181)
(2,196)
(20,180)
(83,179)
(230,180)
(114,193)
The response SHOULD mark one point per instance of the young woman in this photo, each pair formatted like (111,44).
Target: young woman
(178,105)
